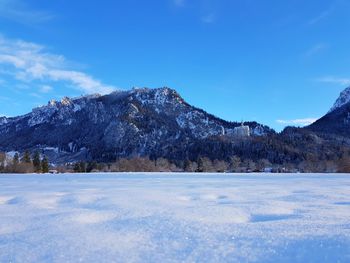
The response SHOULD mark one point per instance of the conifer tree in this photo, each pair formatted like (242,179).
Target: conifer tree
(45,165)
(15,163)
(2,161)
(37,162)
(26,157)
(16,159)
(76,167)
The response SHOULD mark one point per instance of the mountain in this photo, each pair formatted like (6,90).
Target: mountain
(138,122)
(337,121)
(159,123)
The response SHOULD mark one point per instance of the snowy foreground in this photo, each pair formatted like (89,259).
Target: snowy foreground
(174,218)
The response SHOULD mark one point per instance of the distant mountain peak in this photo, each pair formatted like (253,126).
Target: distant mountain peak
(343,99)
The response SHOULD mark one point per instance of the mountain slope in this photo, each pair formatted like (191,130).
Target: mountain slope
(337,121)
(139,122)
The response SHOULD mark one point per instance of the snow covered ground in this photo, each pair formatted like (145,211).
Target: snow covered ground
(174,218)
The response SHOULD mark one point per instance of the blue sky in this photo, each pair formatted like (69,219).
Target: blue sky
(276,62)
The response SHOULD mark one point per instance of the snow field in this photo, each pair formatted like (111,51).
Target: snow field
(174,218)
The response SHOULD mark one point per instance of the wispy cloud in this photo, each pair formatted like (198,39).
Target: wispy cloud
(28,62)
(319,47)
(324,14)
(179,3)
(204,10)
(297,122)
(5,98)
(208,19)
(20,12)
(335,80)
(35,95)
(45,89)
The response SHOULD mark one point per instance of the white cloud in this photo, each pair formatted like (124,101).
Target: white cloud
(335,80)
(45,89)
(298,122)
(31,62)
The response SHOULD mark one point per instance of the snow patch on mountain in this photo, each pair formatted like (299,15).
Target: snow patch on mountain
(41,115)
(195,121)
(3,120)
(343,99)
(258,131)
(60,110)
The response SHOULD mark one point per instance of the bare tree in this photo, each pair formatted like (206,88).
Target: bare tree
(163,165)
(220,166)
(235,163)
(205,165)
(191,166)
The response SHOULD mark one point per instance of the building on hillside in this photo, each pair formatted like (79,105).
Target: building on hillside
(242,131)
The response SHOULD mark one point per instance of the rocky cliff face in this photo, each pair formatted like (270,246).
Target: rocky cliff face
(139,122)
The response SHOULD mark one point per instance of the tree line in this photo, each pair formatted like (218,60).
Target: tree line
(234,164)
(37,163)
(27,163)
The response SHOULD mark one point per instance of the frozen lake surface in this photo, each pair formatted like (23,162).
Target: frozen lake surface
(174,218)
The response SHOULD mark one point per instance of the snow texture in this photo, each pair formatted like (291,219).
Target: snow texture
(174,218)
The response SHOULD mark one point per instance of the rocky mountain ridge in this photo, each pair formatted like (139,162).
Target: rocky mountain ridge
(138,122)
